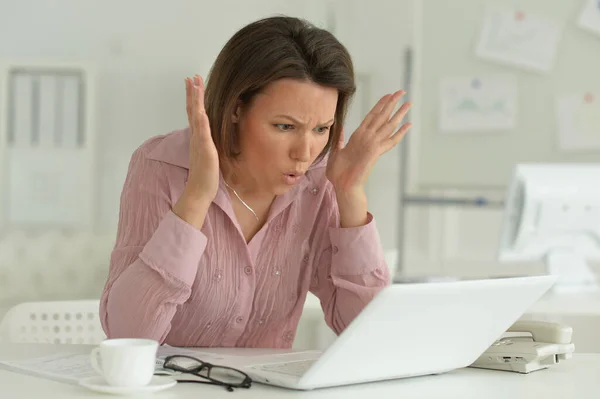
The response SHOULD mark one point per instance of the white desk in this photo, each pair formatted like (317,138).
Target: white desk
(576,378)
(580,304)
(578,310)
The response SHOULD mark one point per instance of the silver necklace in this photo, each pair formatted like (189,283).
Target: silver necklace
(241,200)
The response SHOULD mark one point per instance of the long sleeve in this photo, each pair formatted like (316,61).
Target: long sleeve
(155,259)
(350,266)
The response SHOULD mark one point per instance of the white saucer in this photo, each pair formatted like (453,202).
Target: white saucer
(99,384)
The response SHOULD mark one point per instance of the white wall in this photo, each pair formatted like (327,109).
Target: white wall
(438,240)
(377,36)
(141,50)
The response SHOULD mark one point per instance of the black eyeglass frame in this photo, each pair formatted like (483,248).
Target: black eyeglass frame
(246,383)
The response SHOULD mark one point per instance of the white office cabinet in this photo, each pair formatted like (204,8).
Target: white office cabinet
(47,146)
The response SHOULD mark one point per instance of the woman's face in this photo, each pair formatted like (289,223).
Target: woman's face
(283,130)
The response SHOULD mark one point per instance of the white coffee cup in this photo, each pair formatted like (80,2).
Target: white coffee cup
(125,362)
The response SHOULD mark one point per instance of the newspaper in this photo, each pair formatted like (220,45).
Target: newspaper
(70,367)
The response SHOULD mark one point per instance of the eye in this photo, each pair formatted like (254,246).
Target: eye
(322,129)
(284,127)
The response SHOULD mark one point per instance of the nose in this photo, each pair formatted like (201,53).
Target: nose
(301,149)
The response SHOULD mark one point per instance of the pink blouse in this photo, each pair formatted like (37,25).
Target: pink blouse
(182,286)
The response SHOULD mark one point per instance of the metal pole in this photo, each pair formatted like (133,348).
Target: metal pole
(403,166)
(474,202)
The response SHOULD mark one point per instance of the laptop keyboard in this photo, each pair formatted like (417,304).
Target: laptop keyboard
(296,368)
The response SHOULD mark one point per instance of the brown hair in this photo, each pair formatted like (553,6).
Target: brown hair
(267,50)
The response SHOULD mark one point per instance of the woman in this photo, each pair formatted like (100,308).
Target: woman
(226,225)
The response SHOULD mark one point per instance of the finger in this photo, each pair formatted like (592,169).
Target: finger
(397,118)
(199,116)
(382,102)
(199,83)
(196,96)
(194,115)
(194,102)
(340,143)
(383,116)
(204,127)
(374,111)
(397,137)
(188,98)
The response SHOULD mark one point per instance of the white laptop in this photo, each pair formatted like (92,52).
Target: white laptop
(408,330)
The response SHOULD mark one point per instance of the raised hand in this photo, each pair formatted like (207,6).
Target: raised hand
(349,166)
(203,179)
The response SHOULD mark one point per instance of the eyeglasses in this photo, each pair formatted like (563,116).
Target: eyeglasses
(216,375)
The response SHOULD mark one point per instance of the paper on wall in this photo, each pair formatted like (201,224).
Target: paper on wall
(478,104)
(519,38)
(578,118)
(589,19)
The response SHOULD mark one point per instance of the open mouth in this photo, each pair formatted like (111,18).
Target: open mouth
(292,177)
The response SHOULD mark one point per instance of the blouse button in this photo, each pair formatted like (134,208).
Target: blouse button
(314,191)
(335,249)
(248,270)
(305,259)
(288,336)
(239,319)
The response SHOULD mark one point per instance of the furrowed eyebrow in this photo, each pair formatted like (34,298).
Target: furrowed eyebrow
(296,121)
